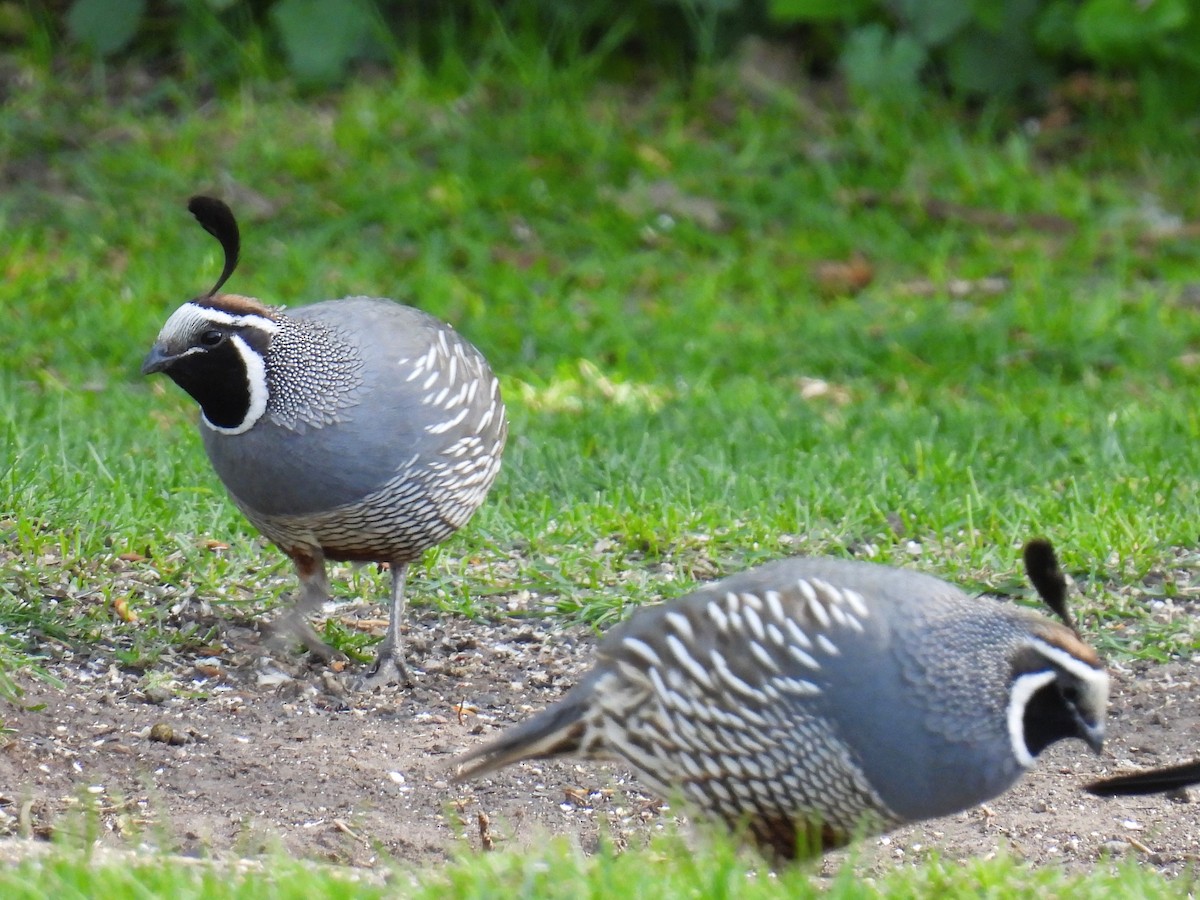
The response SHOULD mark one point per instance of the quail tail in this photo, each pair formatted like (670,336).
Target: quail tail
(1152,781)
(558,731)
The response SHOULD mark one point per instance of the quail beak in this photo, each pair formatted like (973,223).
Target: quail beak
(157,360)
(1093,733)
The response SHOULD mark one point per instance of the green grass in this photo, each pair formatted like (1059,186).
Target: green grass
(668,246)
(688,394)
(666,869)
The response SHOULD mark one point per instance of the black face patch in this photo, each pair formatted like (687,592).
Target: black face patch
(1051,715)
(257,339)
(1056,710)
(217,379)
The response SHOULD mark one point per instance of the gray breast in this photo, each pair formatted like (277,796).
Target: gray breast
(383,426)
(923,699)
(849,694)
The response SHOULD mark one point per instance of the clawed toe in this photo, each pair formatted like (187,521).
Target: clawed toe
(388,669)
(289,629)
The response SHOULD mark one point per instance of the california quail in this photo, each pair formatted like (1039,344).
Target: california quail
(811,699)
(355,429)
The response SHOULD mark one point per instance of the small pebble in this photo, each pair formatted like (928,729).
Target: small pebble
(163,733)
(1114,848)
(157,694)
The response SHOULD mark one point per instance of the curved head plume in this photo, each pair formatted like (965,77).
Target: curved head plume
(217,219)
(1041,566)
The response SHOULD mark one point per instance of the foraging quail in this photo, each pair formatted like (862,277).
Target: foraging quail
(811,699)
(352,430)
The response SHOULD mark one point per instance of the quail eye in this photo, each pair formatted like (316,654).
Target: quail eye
(212,337)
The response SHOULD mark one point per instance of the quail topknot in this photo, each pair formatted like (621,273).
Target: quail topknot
(356,429)
(811,700)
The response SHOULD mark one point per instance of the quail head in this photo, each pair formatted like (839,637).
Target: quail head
(1042,566)
(356,429)
(811,700)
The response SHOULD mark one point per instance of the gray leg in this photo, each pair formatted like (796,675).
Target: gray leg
(389,667)
(314,591)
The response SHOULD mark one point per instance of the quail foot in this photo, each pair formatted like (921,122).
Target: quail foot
(352,430)
(811,700)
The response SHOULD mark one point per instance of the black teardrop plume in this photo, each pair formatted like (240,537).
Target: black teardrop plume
(1041,566)
(217,219)
(1152,781)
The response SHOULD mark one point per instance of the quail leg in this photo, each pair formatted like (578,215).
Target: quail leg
(389,666)
(314,590)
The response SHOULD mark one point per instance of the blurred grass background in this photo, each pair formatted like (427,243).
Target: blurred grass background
(742,303)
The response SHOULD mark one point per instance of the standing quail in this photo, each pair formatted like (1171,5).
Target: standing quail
(810,700)
(352,430)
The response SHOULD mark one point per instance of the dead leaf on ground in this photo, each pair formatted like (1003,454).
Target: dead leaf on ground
(948,211)
(956,287)
(819,388)
(642,198)
(486,841)
(121,608)
(843,276)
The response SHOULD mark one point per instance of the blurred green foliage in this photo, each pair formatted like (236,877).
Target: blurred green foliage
(999,48)
(984,49)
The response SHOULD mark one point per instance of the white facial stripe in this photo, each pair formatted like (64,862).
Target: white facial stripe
(256,380)
(1022,691)
(1073,664)
(249,320)
(192,317)
(1093,683)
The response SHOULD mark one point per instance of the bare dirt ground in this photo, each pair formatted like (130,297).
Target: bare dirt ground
(249,750)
